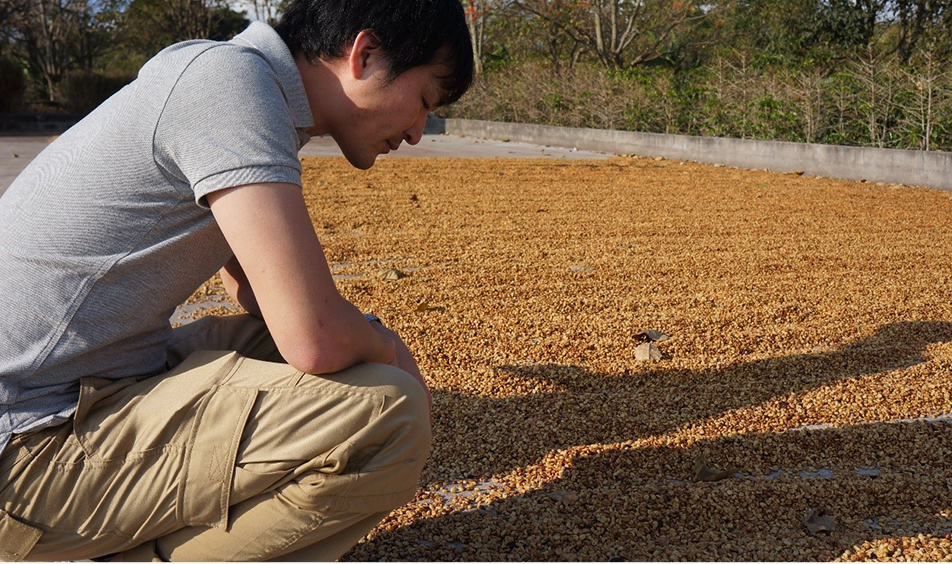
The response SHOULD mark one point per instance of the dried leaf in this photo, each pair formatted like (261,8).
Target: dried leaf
(425,306)
(391,274)
(651,335)
(647,351)
(703,473)
(817,521)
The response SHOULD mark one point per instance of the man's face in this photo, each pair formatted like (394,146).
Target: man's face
(353,99)
(385,113)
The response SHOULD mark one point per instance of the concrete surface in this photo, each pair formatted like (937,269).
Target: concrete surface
(17,151)
(458,146)
(915,168)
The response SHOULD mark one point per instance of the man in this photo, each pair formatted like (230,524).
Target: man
(288,432)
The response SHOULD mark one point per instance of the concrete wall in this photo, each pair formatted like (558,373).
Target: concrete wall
(915,168)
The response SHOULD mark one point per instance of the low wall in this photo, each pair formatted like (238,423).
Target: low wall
(915,168)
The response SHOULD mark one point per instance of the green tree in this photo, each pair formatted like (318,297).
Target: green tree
(53,37)
(148,26)
(923,24)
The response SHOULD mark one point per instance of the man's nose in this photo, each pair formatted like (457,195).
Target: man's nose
(415,133)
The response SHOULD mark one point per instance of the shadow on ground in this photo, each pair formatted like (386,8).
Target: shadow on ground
(623,486)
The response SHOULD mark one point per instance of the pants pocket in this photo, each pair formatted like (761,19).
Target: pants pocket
(17,539)
(123,419)
(169,441)
(211,456)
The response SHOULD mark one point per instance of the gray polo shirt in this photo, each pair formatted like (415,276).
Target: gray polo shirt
(107,230)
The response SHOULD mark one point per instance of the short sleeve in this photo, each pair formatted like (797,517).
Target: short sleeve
(227,123)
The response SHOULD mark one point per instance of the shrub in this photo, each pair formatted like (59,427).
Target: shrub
(12,85)
(82,91)
(730,99)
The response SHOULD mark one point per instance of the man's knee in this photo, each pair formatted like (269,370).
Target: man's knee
(402,392)
(405,418)
(379,466)
(405,414)
(403,384)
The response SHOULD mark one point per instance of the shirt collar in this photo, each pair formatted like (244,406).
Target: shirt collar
(262,37)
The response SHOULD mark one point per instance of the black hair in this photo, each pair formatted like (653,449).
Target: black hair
(412,33)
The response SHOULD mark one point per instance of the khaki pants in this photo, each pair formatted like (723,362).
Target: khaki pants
(224,457)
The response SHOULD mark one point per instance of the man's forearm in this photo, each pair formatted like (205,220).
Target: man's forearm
(277,251)
(236,284)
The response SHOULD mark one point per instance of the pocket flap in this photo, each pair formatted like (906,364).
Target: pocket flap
(213,449)
(17,539)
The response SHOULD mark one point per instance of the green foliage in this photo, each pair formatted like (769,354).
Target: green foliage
(861,72)
(12,85)
(89,44)
(148,26)
(887,108)
(497,58)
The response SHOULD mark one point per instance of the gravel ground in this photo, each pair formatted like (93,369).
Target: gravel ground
(807,370)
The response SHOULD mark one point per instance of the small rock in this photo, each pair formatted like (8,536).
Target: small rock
(703,473)
(391,274)
(647,351)
(562,496)
(425,306)
(817,521)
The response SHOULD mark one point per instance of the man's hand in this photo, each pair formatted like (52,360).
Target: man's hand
(315,329)
(404,360)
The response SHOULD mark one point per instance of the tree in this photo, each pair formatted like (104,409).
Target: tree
(850,25)
(620,33)
(877,100)
(477,12)
(11,11)
(55,36)
(266,10)
(919,21)
(545,27)
(149,26)
(930,82)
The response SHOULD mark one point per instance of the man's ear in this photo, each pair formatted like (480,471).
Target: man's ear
(365,53)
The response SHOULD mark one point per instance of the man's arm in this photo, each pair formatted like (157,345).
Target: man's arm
(236,284)
(315,329)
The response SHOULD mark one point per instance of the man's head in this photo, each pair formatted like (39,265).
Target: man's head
(391,61)
(412,33)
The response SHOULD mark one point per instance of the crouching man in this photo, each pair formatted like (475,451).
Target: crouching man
(287,432)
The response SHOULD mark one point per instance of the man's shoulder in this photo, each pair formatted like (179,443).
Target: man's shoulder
(213,57)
